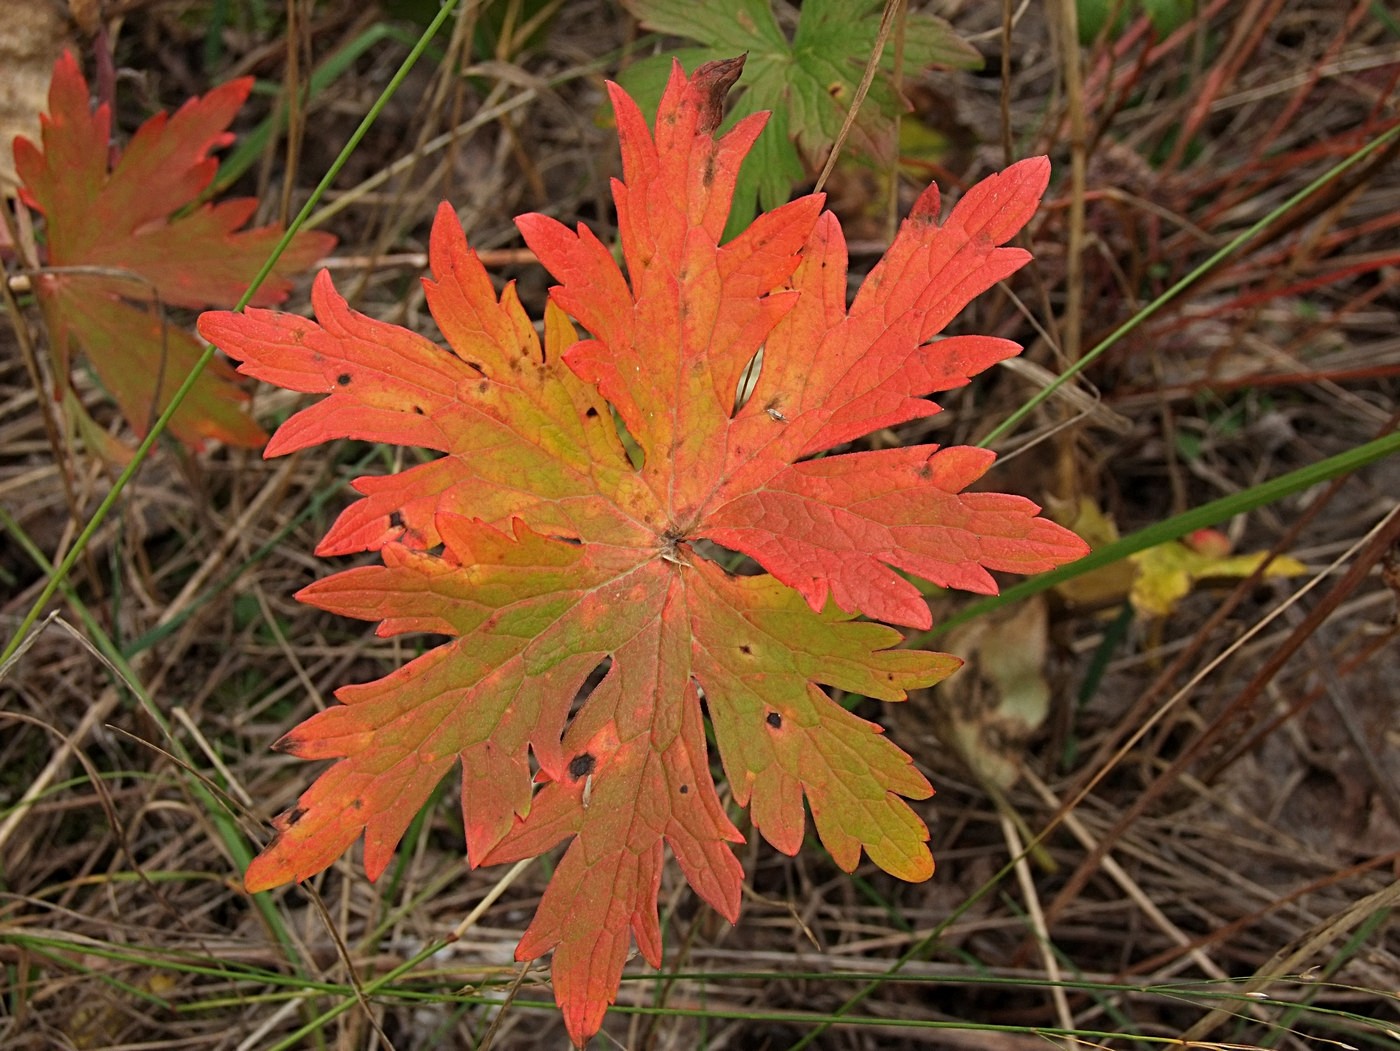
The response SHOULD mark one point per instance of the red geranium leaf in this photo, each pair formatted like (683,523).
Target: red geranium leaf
(572,581)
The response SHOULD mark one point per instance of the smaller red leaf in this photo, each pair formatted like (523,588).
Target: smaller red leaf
(122,225)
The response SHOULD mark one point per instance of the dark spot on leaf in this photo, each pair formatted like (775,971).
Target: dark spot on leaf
(581,765)
(774,720)
(343,379)
(709,174)
(357,804)
(418,410)
(592,413)
(746,649)
(575,541)
(483,387)
(293,816)
(925,471)
(396,519)
(685,790)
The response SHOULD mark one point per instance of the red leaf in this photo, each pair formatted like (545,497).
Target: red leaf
(122,223)
(564,574)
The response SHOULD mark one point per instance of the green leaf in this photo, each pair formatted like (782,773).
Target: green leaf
(807,82)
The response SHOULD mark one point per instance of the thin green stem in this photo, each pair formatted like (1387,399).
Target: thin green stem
(1201,517)
(225,824)
(1228,249)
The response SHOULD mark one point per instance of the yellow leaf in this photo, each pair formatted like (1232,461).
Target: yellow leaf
(1167,573)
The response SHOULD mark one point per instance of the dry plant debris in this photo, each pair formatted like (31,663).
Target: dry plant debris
(1252,827)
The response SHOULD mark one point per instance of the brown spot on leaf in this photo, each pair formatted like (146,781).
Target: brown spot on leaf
(685,790)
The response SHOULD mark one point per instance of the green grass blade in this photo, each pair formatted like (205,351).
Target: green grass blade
(1230,248)
(1177,526)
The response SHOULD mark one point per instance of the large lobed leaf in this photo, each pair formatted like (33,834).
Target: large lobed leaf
(569,579)
(117,218)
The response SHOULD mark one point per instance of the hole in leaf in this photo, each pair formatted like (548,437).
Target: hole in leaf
(685,790)
(595,677)
(735,563)
(343,379)
(774,720)
(581,765)
(748,380)
(629,443)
